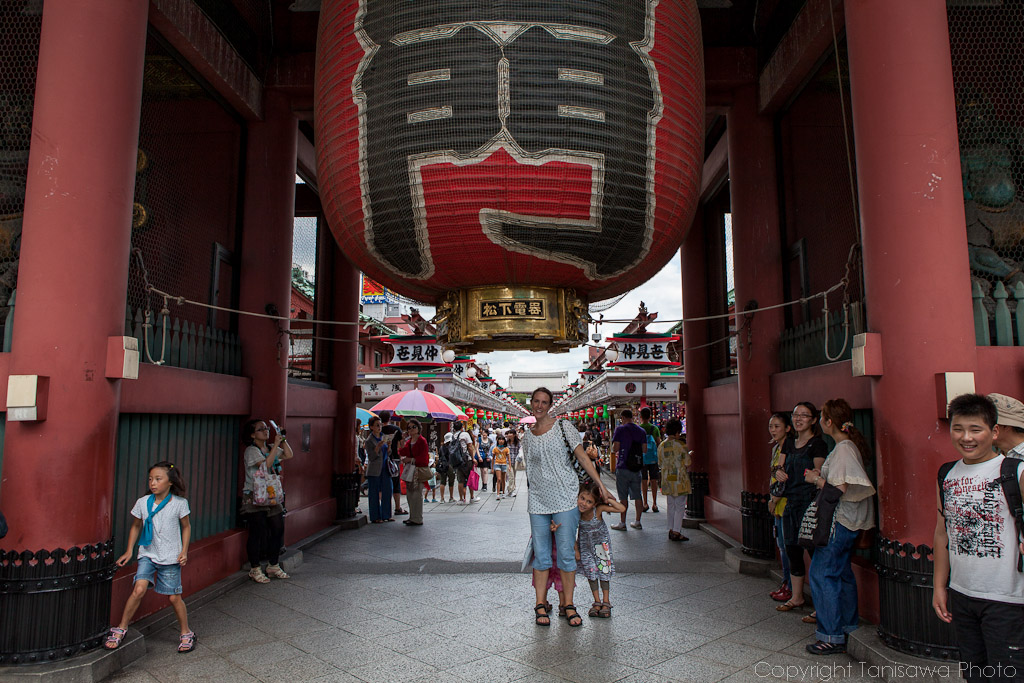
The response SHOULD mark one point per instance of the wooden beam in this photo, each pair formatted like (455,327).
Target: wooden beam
(799,51)
(716,167)
(725,69)
(182,24)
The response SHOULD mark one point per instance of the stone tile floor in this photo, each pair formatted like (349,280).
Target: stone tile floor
(446,603)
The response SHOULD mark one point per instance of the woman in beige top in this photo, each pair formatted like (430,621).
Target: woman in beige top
(833,585)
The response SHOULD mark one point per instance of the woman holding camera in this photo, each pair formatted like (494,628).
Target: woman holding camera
(266,522)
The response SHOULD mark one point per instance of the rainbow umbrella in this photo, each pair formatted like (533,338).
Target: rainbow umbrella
(416,403)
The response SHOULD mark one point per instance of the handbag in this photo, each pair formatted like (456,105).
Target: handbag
(574,463)
(818,522)
(266,488)
(408,473)
(392,468)
(473,482)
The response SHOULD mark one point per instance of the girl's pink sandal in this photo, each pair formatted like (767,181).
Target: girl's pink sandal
(186,642)
(114,638)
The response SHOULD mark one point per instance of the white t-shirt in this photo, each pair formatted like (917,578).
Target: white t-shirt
(982,535)
(166,544)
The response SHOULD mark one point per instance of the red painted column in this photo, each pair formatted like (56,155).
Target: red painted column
(917,280)
(696,363)
(344,360)
(266,258)
(757,263)
(58,474)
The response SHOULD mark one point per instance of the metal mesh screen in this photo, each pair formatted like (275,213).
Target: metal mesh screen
(20,23)
(186,201)
(301,357)
(818,215)
(988,77)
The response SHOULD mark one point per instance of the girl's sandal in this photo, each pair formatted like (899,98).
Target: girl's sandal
(186,642)
(574,616)
(606,611)
(595,609)
(541,610)
(114,638)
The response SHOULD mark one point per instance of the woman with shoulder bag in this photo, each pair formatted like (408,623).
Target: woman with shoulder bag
(378,473)
(550,449)
(833,584)
(415,455)
(805,451)
(265,521)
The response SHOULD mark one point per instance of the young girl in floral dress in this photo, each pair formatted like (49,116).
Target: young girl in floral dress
(593,546)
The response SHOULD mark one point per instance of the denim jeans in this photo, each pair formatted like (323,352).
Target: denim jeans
(380,495)
(565,539)
(780,540)
(834,587)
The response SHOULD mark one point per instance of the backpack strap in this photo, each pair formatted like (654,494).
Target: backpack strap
(1011,489)
(943,473)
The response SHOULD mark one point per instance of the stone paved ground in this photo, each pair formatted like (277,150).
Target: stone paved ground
(446,603)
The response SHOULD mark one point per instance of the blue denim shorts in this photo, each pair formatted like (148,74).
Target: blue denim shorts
(165,578)
(565,539)
(501,468)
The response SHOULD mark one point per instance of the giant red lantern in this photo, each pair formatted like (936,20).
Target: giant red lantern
(509,161)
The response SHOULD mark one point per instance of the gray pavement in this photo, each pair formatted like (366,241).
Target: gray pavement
(446,603)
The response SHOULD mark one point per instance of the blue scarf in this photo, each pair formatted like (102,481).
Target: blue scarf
(147,526)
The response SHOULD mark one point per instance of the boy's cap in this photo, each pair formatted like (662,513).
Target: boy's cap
(1011,411)
(448,437)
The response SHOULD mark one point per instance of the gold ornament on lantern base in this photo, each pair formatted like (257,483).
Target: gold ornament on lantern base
(481,319)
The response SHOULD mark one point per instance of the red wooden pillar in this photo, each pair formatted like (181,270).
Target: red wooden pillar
(757,264)
(917,279)
(696,363)
(266,258)
(58,474)
(344,360)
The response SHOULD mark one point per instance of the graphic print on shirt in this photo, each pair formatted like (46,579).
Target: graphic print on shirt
(973,526)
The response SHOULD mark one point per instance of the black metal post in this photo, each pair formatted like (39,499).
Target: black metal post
(908,623)
(757,525)
(699,488)
(346,491)
(54,604)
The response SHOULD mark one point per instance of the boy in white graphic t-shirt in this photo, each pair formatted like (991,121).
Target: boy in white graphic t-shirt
(977,548)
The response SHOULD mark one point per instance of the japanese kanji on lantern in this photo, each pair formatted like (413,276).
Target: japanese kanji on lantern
(509,162)
(414,352)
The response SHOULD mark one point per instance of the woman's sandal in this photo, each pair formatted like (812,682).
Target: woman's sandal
(114,638)
(186,642)
(595,609)
(811,618)
(575,615)
(823,648)
(789,606)
(541,611)
(606,610)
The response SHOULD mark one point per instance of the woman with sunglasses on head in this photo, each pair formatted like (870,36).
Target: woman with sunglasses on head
(415,453)
(805,451)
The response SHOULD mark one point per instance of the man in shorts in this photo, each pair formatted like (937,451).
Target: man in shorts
(468,446)
(627,481)
(651,473)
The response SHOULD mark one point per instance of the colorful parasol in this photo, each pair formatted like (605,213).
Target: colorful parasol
(364,415)
(416,403)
